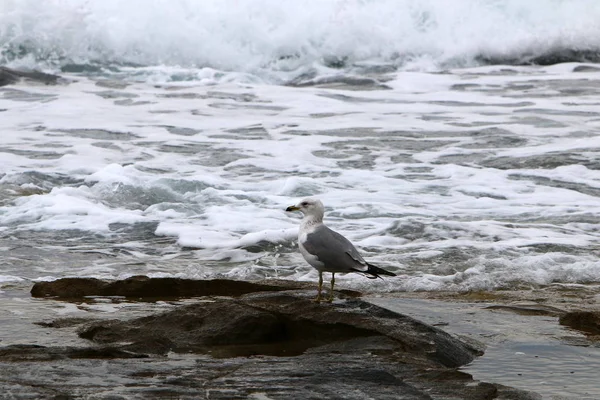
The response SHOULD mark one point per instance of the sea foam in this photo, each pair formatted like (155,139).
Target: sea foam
(278,41)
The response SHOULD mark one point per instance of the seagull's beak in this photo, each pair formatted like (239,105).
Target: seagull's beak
(292,208)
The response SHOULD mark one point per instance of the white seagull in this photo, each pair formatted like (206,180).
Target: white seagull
(327,250)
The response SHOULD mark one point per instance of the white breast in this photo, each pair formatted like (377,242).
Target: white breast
(306,229)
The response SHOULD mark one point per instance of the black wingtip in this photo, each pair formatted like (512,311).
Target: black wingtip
(376,271)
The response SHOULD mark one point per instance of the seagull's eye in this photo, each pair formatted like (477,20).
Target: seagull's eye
(304,204)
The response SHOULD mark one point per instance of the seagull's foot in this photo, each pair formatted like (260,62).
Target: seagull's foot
(330,298)
(318,298)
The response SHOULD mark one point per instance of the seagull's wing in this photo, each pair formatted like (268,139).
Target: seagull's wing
(334,250)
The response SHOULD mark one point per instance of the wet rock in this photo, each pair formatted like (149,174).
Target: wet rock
(9,76)
(282,345)
(154,288)
(363,368)
(286,323)
(193,328)
(68,288)
(585,321)
(259,344)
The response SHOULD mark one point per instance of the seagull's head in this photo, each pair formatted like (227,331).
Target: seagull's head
(310,208)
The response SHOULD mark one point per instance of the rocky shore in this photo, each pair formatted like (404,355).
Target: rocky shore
(239,340)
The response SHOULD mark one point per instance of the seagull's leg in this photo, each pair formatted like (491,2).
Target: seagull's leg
(318,299)
(330,299)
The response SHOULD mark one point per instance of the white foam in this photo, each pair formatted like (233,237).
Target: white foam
(10,278)
(66,208)
(415,201)
(271,39)
(500,273)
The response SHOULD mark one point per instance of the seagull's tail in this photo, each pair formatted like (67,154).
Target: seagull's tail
(375,272)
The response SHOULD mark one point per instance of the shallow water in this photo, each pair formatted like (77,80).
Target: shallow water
(528,352)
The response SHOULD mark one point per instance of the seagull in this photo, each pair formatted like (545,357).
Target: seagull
(326,250)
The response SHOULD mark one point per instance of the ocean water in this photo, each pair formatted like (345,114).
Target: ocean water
(528,352)
(455,144)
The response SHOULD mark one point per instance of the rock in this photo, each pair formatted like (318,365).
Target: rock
(285,323)
(272,344)
(284,346)
(585,321)
(362,368)
(142,287)
(10,76)
(68,288)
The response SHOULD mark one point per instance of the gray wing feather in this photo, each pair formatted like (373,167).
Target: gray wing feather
(334,250)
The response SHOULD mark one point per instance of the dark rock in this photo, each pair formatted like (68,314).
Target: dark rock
(157,288)
(68,288)
(362,368)
(276,345)
(285,346)
(585,321)
(277,324)
(10,76)
(368,371)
